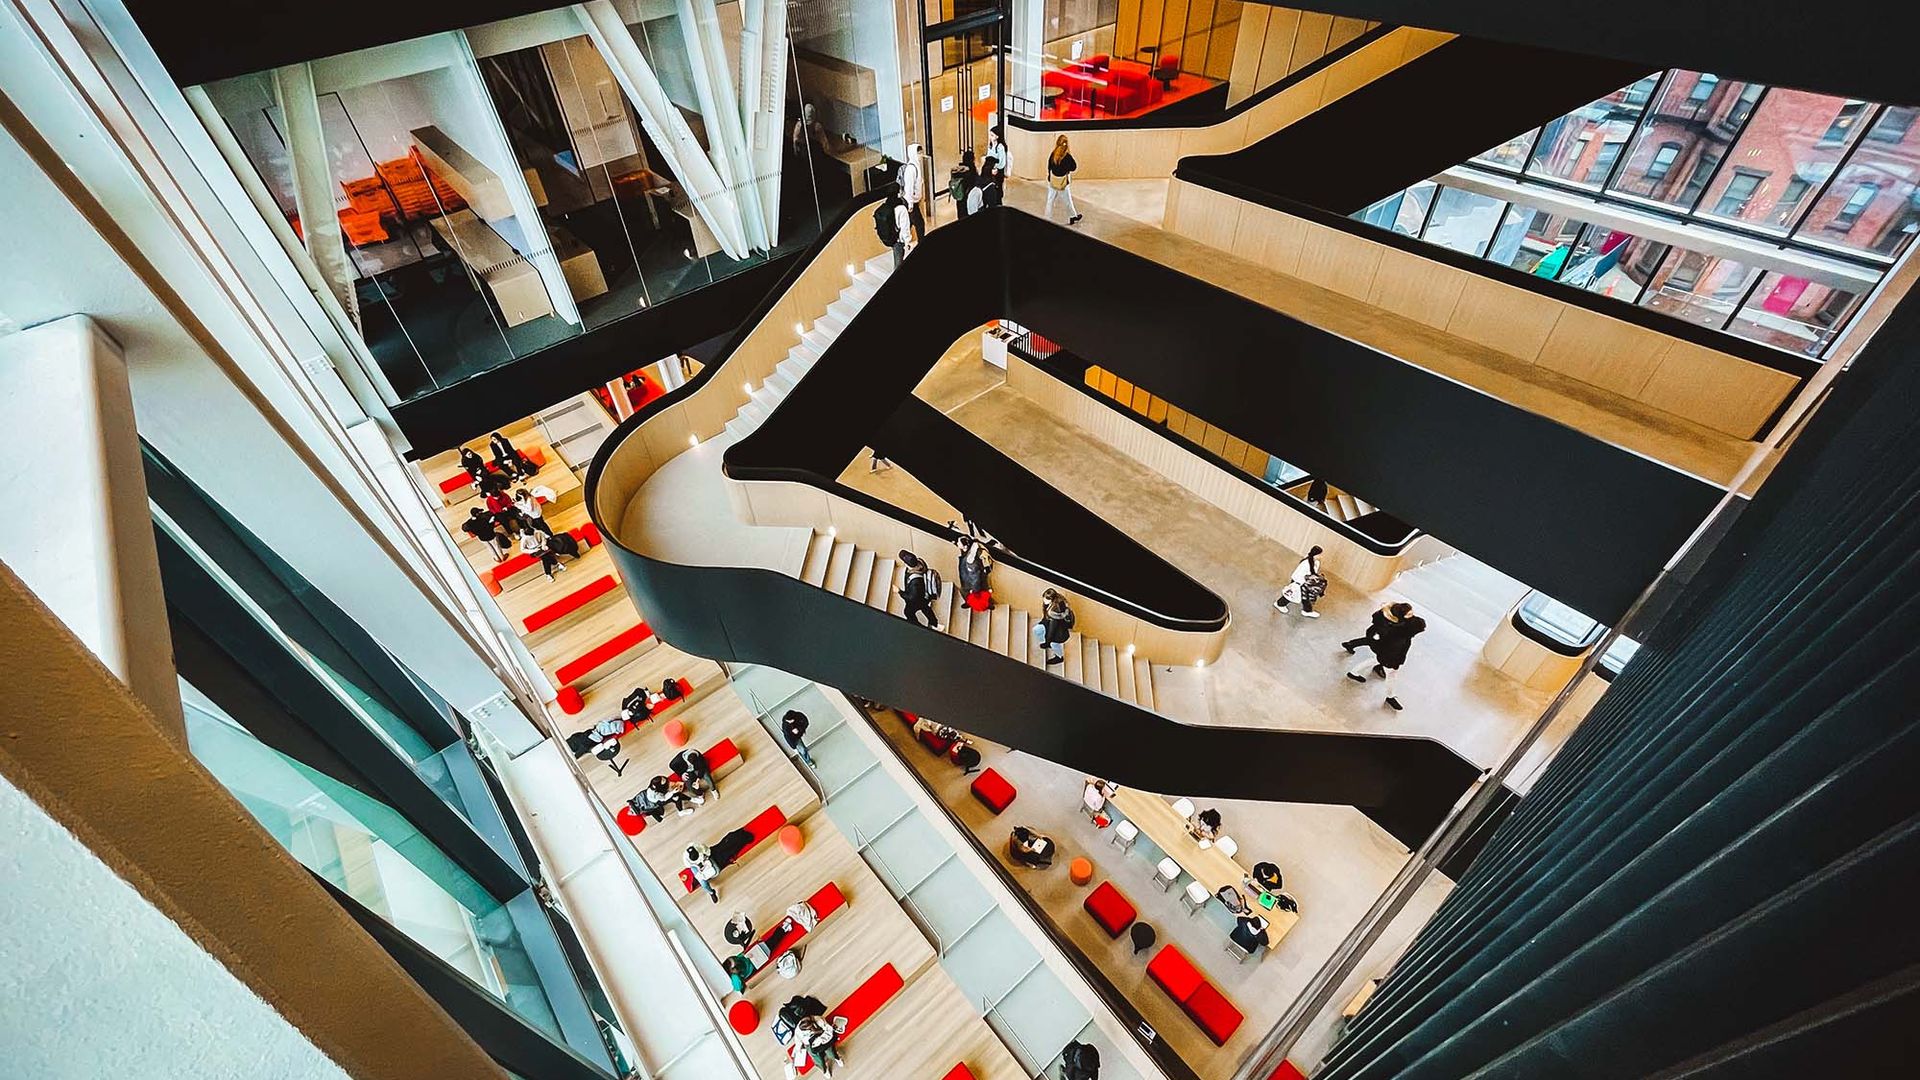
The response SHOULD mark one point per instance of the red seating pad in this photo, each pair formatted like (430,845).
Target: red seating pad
(1287,1071)
(865,1001)
(959,1072)
(721,756)
(574,670)
(454,483)
(1204,1005)
(764,824)
(825,901)
(570,603)
(993,789)
(1110,909)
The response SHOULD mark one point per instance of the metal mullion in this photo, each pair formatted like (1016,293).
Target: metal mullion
(1506,207)
(1720,166)
(1426,218)
(1539,133)
(1655,272)
(1586,228)
(1839,167)
(1747,296)
(1639,125)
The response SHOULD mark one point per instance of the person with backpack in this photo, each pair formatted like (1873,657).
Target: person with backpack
(1305,586)
(993,185)
(1060,170)
(793,728)
(886,226)
(920,589)
(1390,635)
(1054,627)
(961,182)
(912,188)
(975,562)
(1079,1061)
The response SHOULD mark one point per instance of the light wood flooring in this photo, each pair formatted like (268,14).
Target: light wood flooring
(928,1026)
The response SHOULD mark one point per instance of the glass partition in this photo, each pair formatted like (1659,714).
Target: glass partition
(482,195)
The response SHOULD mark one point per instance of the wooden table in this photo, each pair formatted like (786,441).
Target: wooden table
(857,159)
(1214,869)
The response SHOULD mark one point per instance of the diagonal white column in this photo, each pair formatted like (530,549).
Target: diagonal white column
(709,193)
(763,91)
(720,108)
(313,183)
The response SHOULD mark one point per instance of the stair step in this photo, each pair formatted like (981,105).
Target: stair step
(943,607)
(881,264)
(839,565)
(832,322)
(895,604)
(859,290)
(861,577)
(813,570)
(869,278)
(881,586)
(999,621)
(1109,675)
(1126,674)
(1090,663)
(1019,636)
(959,617)
(1143,684)
(752,413)
(783,378)
(980,628)
(1076,663)
(739,427)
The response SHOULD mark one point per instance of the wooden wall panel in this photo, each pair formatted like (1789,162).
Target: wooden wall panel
(1503,318)
(1608,353)
(1276,48)
(1338,261)
(1723,392)
(1405,285)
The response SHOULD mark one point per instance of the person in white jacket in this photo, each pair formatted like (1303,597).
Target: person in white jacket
(1305,586)
(912,189)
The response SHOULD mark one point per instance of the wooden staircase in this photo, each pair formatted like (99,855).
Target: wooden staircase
(762,399)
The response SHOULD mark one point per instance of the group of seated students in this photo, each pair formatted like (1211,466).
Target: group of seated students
(602,740)
(513,514)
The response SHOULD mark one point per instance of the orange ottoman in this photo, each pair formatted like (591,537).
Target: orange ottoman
(1080,871)
(674,732)
(791,839)
(743,1017)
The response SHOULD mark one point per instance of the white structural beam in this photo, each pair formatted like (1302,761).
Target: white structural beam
(313,185)
(78,532)
(763,95)
(720,108)
(711,196)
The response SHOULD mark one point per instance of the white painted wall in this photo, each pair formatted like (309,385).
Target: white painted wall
(95,981)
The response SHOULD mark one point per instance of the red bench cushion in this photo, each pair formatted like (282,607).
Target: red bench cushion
(575,670)
(1203,1004)
(865,1001)
(570,603)
(722,755)
(827,900)
(1287,1071)
(1175,974)
(1213,1013)
(765,824)
(1111,910)
(959,1072)
(992,789)
(587,534)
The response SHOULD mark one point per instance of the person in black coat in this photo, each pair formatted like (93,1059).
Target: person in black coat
(1054,627)
(507,458)
(475,465)
(1390,635)
(481,526)
(793,728)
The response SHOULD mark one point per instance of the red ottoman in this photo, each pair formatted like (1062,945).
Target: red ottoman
(1112,911)
(992,789)
(959,1072)
(630,823)
(569,701)
(1203,1004)
(743,1017)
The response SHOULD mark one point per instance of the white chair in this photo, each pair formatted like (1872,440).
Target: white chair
(1166,874)
(1183,807)
(1234,950)
(1227,846)
(1124,834)
(1196,897)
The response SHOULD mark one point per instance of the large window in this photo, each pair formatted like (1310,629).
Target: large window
(1830,184)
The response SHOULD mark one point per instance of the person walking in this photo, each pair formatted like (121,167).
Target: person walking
(912,188)
(526,502)
(700,864)
(1305,586)
(920,589)
(793,728)
(975,562)
(1060,170)
(1389,636)
(1055,626)
(894,226)
(1317,493)
(961,182)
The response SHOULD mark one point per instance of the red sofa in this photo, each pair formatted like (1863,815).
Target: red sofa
(1118,86)
(1204,1005)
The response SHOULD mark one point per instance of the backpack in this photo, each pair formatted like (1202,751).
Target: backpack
(932,579)
(671,690)
(884,225)
(564,544)
(1080,1061)
(789,964)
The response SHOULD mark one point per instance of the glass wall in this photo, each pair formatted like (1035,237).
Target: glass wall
(1828,184)
(481,195)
